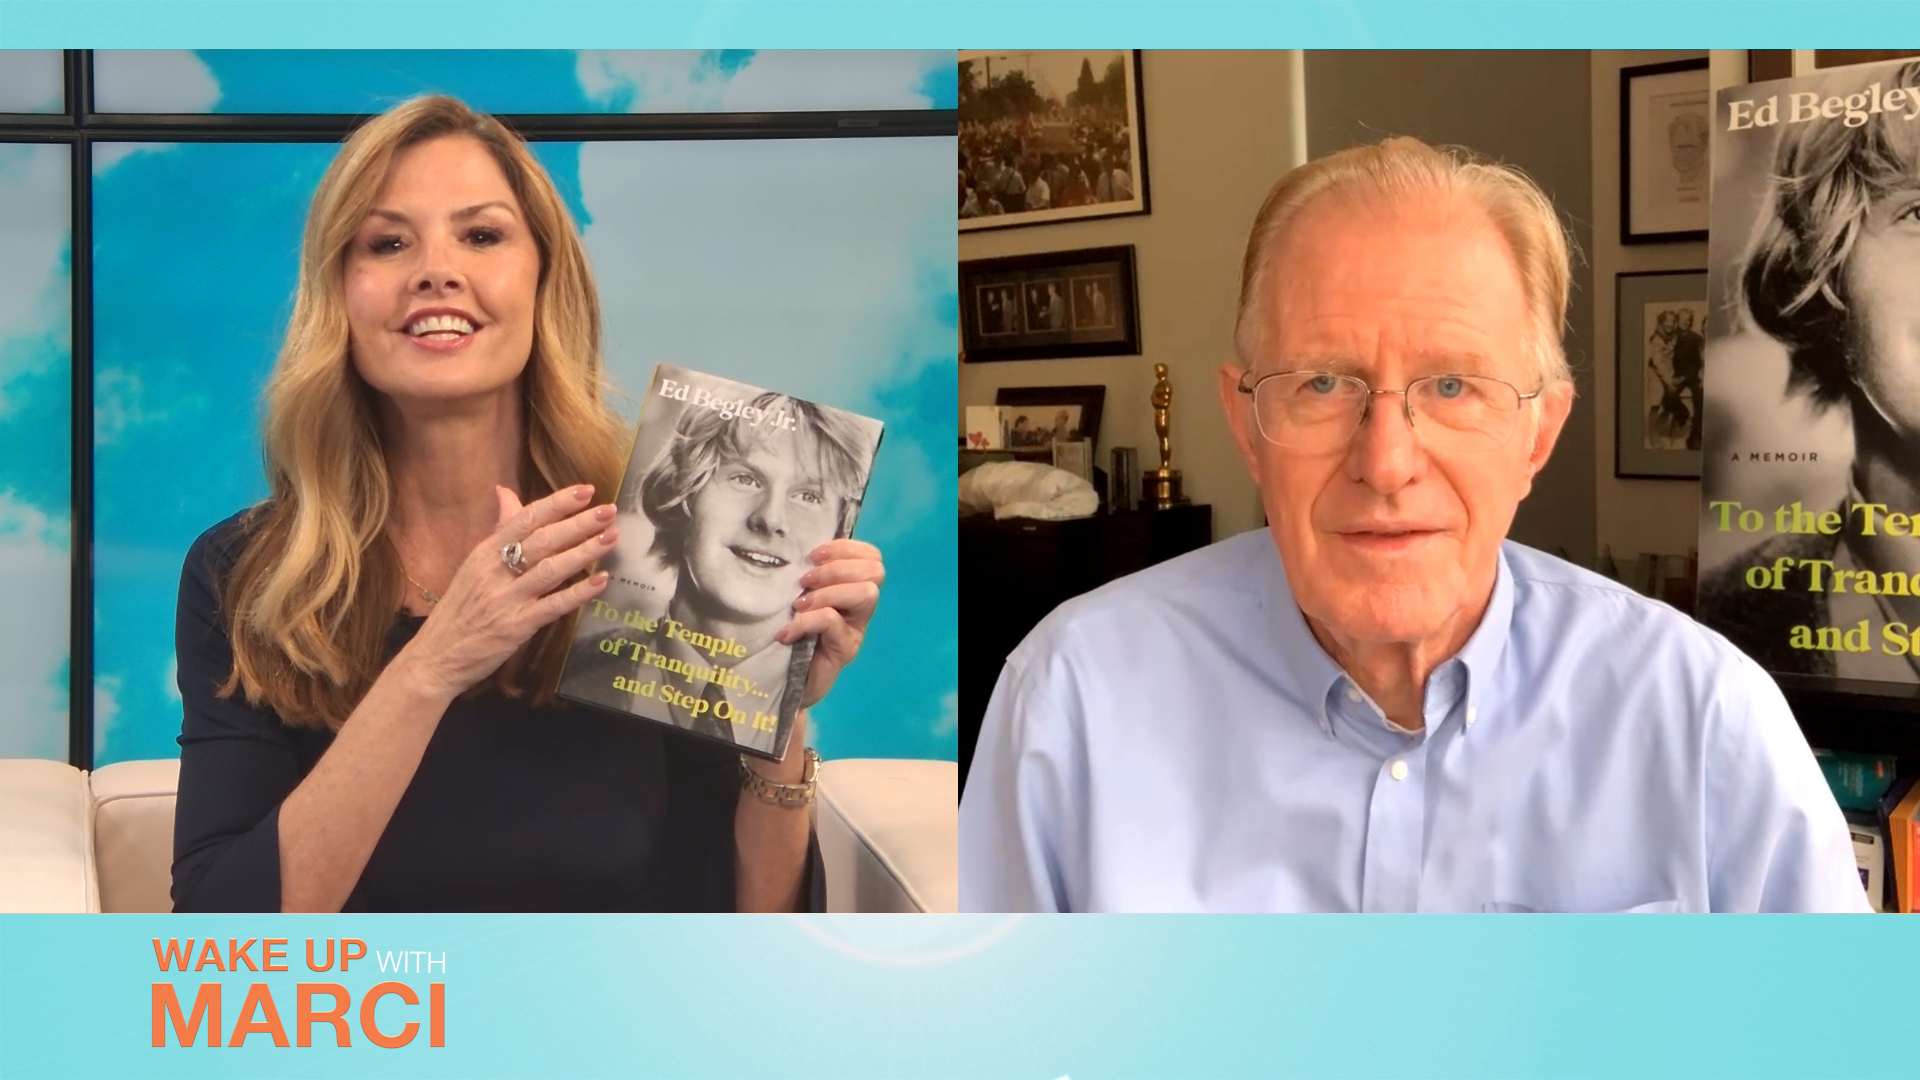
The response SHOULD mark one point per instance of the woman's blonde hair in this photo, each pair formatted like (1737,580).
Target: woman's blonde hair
(311,598)
(1397,167)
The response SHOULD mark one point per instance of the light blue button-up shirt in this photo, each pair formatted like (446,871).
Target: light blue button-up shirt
(1178,741)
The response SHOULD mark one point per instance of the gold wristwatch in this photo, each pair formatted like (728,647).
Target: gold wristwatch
(789,795)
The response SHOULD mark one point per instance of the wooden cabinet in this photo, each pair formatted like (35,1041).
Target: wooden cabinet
(1014,571)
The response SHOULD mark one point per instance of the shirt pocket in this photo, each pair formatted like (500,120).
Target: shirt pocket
(1653,907)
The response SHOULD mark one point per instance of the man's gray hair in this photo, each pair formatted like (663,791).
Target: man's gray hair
(1399,167)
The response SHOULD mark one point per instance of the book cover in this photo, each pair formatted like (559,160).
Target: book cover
(728,490)
(1870,857)
(1809,432)
(1903,836)
(1857,780)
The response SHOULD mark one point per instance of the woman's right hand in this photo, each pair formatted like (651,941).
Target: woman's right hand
(489,611)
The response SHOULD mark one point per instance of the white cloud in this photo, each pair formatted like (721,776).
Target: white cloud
(106,706)
(34,220)
(32,81)
(33,630)
(809,80)
(153,81)
(148,81)
(819,239)
(949,721)
(785,81)
(119,403)
(108,154)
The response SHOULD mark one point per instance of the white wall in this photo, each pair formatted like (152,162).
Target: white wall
(1220,129)
(1633,515)
(1527,108)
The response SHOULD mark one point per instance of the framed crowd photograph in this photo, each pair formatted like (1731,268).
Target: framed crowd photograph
(1050,136)
(1050,306)
(1039,416)
(1660,322)
(1666,111)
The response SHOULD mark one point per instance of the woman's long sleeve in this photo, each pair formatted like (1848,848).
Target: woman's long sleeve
(237,762)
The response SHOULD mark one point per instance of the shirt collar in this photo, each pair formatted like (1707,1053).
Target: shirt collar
(1306,666)
(1480,656)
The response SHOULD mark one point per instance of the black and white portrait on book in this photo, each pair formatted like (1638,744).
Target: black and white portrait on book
(728,492)
(1813,370)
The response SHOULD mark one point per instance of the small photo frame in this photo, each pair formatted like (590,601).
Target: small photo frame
(1040,416)
(1049,306)
(1666,111)
(1049,136)
(1660,324)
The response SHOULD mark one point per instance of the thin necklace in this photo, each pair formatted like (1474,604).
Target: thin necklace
(432,597)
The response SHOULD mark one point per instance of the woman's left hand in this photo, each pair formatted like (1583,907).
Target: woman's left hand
(842,589)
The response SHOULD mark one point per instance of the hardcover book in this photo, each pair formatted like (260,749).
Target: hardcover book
(1857,780)
(1806,427)
(728,490)
(1903,836)
(1870,858)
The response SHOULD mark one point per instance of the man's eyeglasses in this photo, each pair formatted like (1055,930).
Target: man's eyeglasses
(1318,411)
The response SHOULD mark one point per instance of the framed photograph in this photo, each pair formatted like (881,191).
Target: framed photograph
(1051,306)
(1050,136)
(1766,64)
(1666,111)
(1043,415)
(1660,321)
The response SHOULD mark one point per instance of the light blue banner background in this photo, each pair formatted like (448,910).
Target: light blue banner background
(952,24)
(980,996)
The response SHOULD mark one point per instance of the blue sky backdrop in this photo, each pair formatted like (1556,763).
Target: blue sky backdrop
(528,81)
(36,317)
(32,81)
(820,267)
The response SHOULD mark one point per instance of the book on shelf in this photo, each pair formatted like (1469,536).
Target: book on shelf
(1858,780)
(1870,858)
(728,491)
(1903,839)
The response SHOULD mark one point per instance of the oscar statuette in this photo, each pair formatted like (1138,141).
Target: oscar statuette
(1160,488)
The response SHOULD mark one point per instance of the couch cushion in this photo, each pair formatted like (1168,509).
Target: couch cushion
(133,834)
(44,817)
(889,834)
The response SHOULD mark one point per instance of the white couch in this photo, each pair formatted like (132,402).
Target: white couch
(74,841)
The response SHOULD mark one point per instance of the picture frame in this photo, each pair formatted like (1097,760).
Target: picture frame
(1659,360)
(1041,414)
(1767,64)
(1051,306)
(1666,112)
(1064,127)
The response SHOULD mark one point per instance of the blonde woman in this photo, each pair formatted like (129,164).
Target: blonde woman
(367,658)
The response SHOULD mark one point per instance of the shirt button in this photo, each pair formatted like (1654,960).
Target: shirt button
(1353,694)
(1398,770)
(1473,714)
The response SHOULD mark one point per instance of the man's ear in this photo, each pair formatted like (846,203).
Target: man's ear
(1555,405)
(1239,410)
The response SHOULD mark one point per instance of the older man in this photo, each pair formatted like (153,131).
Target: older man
(1378,704)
